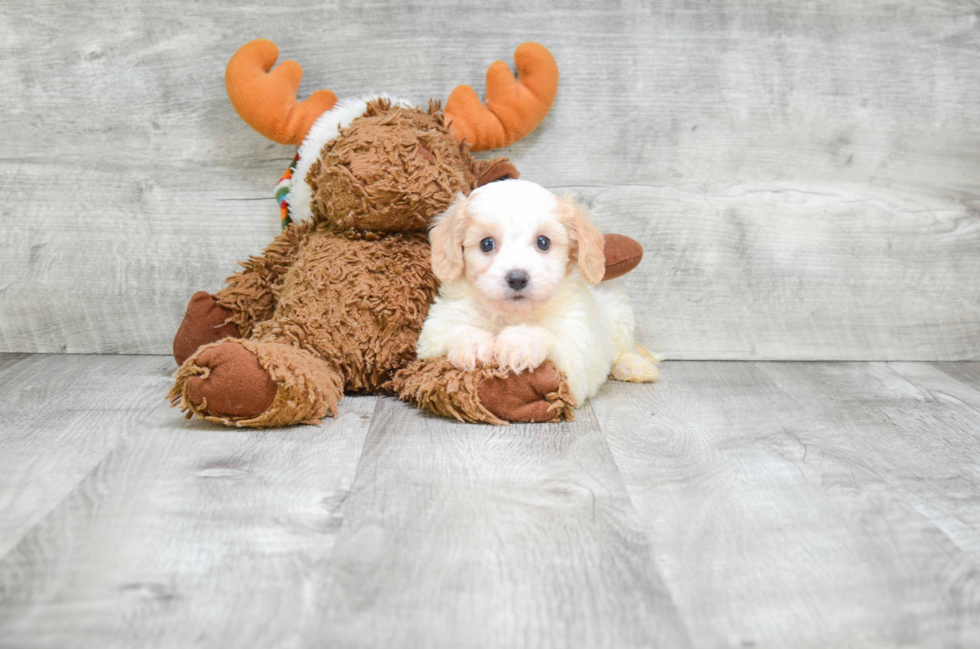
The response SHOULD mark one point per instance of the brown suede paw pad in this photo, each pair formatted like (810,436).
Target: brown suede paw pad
(205,322)
(622,255)
(535,396)
(232,383)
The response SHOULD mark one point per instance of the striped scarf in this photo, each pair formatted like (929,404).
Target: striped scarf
(282,192)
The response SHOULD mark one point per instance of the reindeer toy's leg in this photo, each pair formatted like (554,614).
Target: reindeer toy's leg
(258,383)
(486,395)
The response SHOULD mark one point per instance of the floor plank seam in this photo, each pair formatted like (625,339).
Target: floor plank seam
(344,512)
(931,392)
(671,595)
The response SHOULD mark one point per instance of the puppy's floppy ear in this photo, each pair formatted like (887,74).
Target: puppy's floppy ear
(446,237)
(587,241)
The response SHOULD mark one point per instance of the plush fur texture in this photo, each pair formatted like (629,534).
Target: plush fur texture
(348,308)
(325,129)
(357,299)
(393,170)
(484,317)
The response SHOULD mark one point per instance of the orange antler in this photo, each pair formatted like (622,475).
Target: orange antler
(514,107)
(267,100)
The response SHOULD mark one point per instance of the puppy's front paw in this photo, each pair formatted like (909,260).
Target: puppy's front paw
(521,348)
(473,351)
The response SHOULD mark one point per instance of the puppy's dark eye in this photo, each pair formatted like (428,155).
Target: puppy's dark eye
(544,243)
(487,245)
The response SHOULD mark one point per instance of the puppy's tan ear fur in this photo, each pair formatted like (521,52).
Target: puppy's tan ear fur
(587,241)
(446,237)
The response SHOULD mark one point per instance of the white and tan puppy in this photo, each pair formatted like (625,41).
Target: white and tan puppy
(520,271)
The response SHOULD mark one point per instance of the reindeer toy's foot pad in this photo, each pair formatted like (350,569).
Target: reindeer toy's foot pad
(257,384)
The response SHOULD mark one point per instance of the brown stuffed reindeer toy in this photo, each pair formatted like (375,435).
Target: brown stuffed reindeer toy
(337,301)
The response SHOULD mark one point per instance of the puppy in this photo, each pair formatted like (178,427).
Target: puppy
(520,271)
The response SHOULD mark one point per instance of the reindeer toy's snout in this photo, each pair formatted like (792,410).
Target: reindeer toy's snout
(338,300)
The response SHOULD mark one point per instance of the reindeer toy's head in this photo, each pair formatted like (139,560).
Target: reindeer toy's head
(377,163)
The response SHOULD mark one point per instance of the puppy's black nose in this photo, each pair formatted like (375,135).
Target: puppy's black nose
(517,279)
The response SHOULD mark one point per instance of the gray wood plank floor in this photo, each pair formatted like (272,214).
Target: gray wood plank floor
(733,504)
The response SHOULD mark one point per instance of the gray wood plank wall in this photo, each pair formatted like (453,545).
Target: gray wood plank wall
(805,177)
